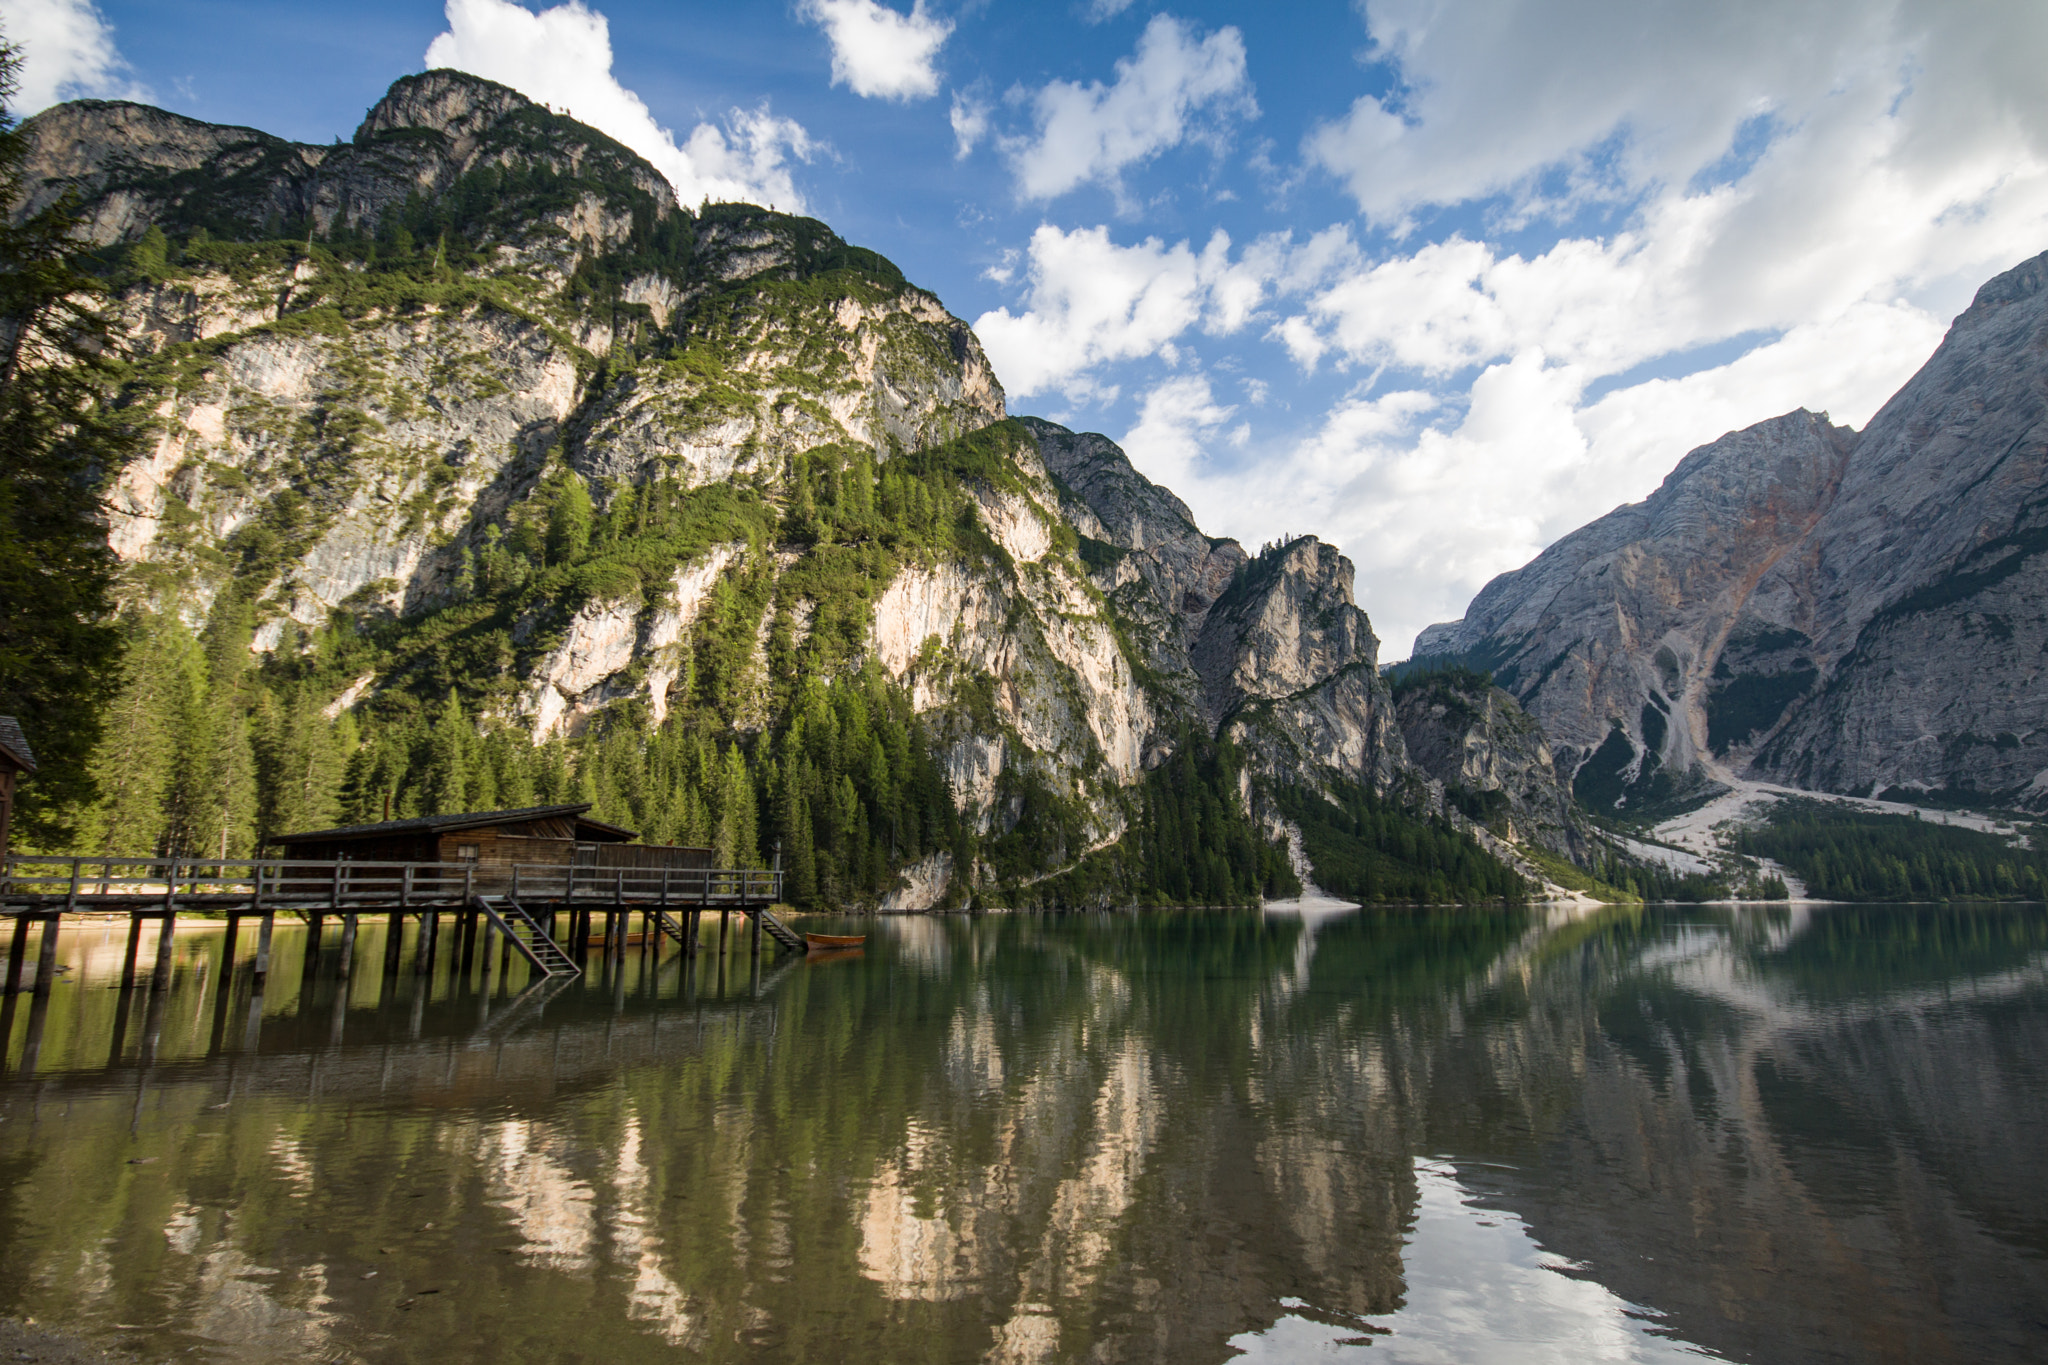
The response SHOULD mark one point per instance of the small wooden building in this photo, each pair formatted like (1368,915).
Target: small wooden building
(545,835)
(17,761)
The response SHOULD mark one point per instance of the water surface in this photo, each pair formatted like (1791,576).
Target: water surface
(1413,1135)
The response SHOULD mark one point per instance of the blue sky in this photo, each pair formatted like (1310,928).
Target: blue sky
(1437,280)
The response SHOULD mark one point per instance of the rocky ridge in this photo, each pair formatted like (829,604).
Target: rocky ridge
(1803,603)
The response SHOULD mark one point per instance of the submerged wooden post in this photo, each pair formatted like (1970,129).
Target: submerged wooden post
(17,954)
(167,930)
(263,953)
(134,949)
(488,933)
(423,951)
(348,944)
(46,960)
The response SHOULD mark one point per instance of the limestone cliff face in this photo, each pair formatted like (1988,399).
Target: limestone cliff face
(1161,575)
(1847,612)
(1928,576)
(1274,650)
(1492,758)
(1612,637)
(1290,666)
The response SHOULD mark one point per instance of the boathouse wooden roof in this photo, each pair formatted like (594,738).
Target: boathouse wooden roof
(14,748)
(544,821)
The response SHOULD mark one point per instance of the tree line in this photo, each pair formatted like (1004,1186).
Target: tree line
(1846,854)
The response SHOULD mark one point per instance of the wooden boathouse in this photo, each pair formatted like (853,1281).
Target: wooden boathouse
(495,841)
(545,880)
(17,761)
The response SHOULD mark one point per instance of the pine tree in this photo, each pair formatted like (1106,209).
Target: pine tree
(59,443)
(448,764)
(569,519)
(134,764)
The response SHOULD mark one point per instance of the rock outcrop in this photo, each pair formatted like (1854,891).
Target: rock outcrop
(1290,667)
(1848,612)
(1492,758)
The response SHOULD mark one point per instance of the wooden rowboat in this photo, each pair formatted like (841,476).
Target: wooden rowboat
(834,940)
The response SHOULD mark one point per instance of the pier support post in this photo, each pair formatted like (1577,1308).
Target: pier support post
(430,939)
(348,945)
(394,939)
(17,955)
(167,930)
(252,1031)
(134,951)
(757,935)
(489,935)
(46,960)
(263,952)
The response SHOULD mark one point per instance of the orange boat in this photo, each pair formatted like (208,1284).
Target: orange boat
(834,940)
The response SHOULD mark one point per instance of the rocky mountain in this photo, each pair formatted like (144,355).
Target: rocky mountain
(1491,757)
(483,469)
(1844,611)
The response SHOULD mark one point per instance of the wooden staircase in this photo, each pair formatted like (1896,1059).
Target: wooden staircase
(781,932)
(527,935)
(668,925)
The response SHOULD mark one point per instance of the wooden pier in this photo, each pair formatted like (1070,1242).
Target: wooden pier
(548,914)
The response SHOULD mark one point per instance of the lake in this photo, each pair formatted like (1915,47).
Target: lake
(1757,1134)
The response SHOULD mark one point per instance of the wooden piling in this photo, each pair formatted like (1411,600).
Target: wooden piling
(263,951)
(134,951)
(488,934)
(167,930)
(17,955)
(348,945)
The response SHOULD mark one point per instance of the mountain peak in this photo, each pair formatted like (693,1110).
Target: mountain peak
(451,102)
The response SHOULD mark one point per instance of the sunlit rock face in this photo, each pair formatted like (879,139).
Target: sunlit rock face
(1849,612)
(1612,637)
(1290,665)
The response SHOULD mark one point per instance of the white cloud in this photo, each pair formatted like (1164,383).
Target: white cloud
(1099,10)
(68,52)
(1491,93)
(969,117)
(1174,87)
(1168,439)
(562,56)
(1431,499)
(1092,302)
(879,52)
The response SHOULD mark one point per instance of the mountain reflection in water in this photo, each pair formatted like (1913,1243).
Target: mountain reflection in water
(1759,1134)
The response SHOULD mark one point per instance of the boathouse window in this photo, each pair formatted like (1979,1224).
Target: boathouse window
(465,853)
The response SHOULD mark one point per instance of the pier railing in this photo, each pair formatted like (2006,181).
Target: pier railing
(53,881)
